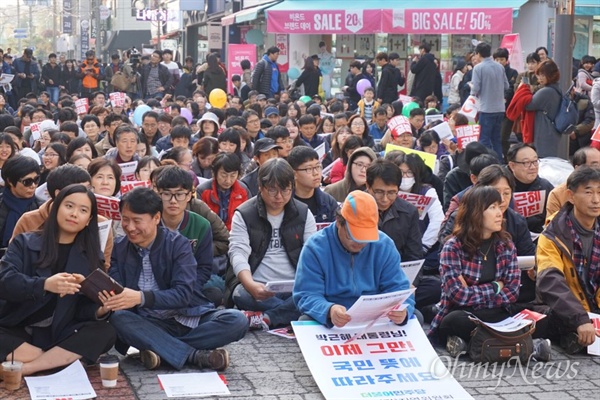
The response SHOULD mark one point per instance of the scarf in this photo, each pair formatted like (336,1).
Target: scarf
(16,207)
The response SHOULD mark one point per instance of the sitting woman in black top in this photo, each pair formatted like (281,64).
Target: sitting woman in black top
(44,322)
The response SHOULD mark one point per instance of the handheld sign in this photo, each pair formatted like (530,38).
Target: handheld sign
(531,203)
(466,134)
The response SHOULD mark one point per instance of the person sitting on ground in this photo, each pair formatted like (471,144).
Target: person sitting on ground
(308,173)
(162,311)
(267,235)
(264,150)
(327,284)
(355,176)
(479,272)
(344,143)
(224,193)
(568,263)
(44,323)
(126,140)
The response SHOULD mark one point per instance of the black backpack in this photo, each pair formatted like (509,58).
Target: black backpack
(567,114)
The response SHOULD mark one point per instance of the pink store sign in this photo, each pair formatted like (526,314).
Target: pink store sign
(235,54)
(324,21)
(457,21)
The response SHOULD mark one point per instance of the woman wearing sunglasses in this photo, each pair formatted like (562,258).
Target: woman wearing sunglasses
(21,175)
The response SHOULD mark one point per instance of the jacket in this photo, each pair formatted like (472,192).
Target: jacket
(165,77)
(22,288)
(456,181)
(556,199)
(424,80)
(35,204)
(310,79)
(251,182)
(361,109)
(326,207)
(89,74)
(214,80)
(174,268)
(19,66)
(585,122)
(454,263)
(261,77)
(328,274)
(32,221)
(560,283)
(259,228)
(220,234)
(401,223)
(511,77)
(516,112)
(387,88)
(51,73)
(208,193)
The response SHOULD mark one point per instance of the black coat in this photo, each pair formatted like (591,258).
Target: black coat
(387,89)
(424,81)
(310,79)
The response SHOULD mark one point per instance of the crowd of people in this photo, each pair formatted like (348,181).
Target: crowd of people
(268,187)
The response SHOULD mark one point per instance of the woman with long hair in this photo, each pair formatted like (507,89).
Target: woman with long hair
(204,151)
(355,177)
(55,155)
(359,127)
(337,142)
(44,323)
(338,167)
(479,271)
(214,76)
(310,76)
(69,77)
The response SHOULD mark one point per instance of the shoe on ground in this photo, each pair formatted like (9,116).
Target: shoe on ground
(542,350)
(150,359)
(456,346)
(570,343)
(256,321)
(217,360)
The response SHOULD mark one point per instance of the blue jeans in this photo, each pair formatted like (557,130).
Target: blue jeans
(280,308)
(491,131)
(174,342)
(53,91)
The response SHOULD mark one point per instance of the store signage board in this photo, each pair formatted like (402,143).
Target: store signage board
(324,21)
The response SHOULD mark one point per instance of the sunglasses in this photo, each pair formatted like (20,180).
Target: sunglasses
(30,181)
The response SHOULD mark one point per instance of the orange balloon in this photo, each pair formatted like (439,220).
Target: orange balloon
(217,98)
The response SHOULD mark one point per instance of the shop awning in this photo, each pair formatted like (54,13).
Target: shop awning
(392,16)
(587,7)
(246,15)
(127,39)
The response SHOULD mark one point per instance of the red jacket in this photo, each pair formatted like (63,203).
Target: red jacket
(238,195)
(516,109)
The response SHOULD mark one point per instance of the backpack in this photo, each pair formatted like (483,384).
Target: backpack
(120,82)
(567,114)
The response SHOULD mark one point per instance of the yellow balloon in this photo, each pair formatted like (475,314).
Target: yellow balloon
(217,98)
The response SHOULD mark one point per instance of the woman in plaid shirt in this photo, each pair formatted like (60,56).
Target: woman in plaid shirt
(479,271)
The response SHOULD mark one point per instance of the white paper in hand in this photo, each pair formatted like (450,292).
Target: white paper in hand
(280,286)
(443,130)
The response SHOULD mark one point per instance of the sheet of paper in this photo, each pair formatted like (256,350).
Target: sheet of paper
(103,229)
(443,130)
(70,383)
(280,286)
(594,348)
(370,308)
(433,117)
(526,262)
(286,332)
(320,149)
(411,269)
(509,324)
(193,385)
(6,78)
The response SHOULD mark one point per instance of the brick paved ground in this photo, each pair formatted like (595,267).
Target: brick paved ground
(267,367)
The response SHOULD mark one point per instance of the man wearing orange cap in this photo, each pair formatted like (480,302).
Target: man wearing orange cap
(346,260)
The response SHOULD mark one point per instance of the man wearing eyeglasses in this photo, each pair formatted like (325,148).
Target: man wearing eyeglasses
(308,173)
(267,235)
(524,164)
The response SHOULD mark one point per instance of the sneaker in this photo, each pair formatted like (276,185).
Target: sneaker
(570,343)
(542,350)
(217,360)
(456,346)
(256,321)
(150,359)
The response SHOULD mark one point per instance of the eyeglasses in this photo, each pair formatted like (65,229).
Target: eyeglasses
(253,121)
(27,182)
(285,141)
(361,166)
(380,194)
(358,124)
(168,196)
(528,164)
(50,155)
(407,174)
(311,170)
(274,192)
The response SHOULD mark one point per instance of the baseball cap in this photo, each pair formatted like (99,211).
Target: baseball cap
(263,145)
(361,215)
(261,97)
(271,111)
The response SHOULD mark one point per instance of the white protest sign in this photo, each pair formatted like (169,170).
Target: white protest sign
(36,130)
(6,79)
(387,362)
(130,185)
(128,171)
(320,149)
(103,229)
(470,108)
(433,117)
(71,383)
(405,99)
(443,130)
(411,269)
(193,385)
(82,106)
(466,134)
(423,203)
(108,207)
(529,204)
(117,99)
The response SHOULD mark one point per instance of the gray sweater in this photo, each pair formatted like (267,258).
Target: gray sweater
(489,83)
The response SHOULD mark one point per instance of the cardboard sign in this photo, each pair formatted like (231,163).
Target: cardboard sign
(36,131)
(128,171)
(82,106)
(466,134)
(422,203)
(531,203)
(470,108)
(108,207)
(130,185)
(429,159)
(117,99)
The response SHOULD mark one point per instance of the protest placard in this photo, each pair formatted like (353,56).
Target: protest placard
(530,203)
(594,348)
(399,124)
(117,99)
(36,131)
(320,149)
(421,202)
(405,99)
(466,134)
(433,117)
(443,130)
(103,229)
(130,185)
(429,159)
(108,207)
(470,108)
(82,105)
(387,362)
(128,171)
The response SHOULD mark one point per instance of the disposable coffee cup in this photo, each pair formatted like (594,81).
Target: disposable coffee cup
(109,370)
(12,372)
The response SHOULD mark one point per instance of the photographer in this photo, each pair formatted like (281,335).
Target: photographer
(131,70)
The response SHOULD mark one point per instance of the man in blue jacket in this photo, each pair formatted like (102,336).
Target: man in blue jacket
(346,260)
(266,78)
(162,310)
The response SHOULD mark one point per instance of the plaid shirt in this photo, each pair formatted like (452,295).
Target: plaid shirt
(591,280)
(454,263)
